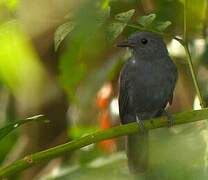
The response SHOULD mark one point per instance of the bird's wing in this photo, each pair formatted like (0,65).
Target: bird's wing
(170,100)
(123,98)
(173,80)
(123,95)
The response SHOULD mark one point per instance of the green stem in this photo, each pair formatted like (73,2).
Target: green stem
(157,32)
(31,160)
(190,63)
(193,74)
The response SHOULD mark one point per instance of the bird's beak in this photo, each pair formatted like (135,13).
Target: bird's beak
(126,44)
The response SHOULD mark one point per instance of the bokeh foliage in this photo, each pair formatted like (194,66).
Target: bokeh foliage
(85,43)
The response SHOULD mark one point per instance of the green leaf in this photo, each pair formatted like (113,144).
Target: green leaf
(62,32)
(105,4)
(125,16)
(113,31)
(10,4)
(103,14)
(7,129)
(161,26)
(72,72)
(115,28)
(146,20)
(76,60)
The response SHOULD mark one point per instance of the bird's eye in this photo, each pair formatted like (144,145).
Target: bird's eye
(144,41)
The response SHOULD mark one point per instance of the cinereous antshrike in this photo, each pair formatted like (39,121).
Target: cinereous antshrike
(147,82)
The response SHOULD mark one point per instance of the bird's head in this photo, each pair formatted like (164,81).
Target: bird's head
(146,44)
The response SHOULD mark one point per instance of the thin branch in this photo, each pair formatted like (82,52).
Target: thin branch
(193,74)
(31,160)
(190,63)
(157,32)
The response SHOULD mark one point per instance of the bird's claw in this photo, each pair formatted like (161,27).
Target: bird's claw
(170,118)
(141,124)
(171,121)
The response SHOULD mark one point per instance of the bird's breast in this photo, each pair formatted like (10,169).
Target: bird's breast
(149,86)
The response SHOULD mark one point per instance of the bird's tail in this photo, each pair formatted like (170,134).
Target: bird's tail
(137,148)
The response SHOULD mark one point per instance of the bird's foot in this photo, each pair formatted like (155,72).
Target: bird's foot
(141,124)
(170,118)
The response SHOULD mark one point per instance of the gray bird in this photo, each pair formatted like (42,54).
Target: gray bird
(147,82)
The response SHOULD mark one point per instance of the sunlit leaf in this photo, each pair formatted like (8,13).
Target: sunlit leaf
(125,16)
(11,4)
(146,20)
(104,4)
(62,32)
(161,26)
(7,129)
(18,59)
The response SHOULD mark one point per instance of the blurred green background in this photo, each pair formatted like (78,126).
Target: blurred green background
(59,58)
